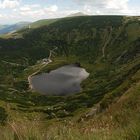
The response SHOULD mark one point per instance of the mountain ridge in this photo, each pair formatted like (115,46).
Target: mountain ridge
(76,14)
(4,29)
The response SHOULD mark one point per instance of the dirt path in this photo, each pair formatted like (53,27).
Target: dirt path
(108,39)
(44,64)
(30,76)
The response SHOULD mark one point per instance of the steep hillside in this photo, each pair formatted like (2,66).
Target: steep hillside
(108,47)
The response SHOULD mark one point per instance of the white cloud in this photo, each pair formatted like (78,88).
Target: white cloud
(29,7)
(31,12)
(1,16)
(106,7)
(52,8)
(37,11)
(115,4)
(25,8)
(9,3)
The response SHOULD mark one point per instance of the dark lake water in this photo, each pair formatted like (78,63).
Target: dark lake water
(65,80)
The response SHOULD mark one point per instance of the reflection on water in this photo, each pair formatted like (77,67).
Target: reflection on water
(62,81)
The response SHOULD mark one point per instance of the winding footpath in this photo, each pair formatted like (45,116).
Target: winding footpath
(108,39)
(44,64)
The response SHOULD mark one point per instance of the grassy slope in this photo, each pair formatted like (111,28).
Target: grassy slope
(43,22)
(120,121)
(110,76)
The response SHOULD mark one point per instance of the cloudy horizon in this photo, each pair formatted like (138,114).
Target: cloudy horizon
(12,11)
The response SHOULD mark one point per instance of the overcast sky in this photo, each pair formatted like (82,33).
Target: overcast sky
(12,11)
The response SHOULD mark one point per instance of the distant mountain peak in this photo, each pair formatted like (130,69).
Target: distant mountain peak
(76,14)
